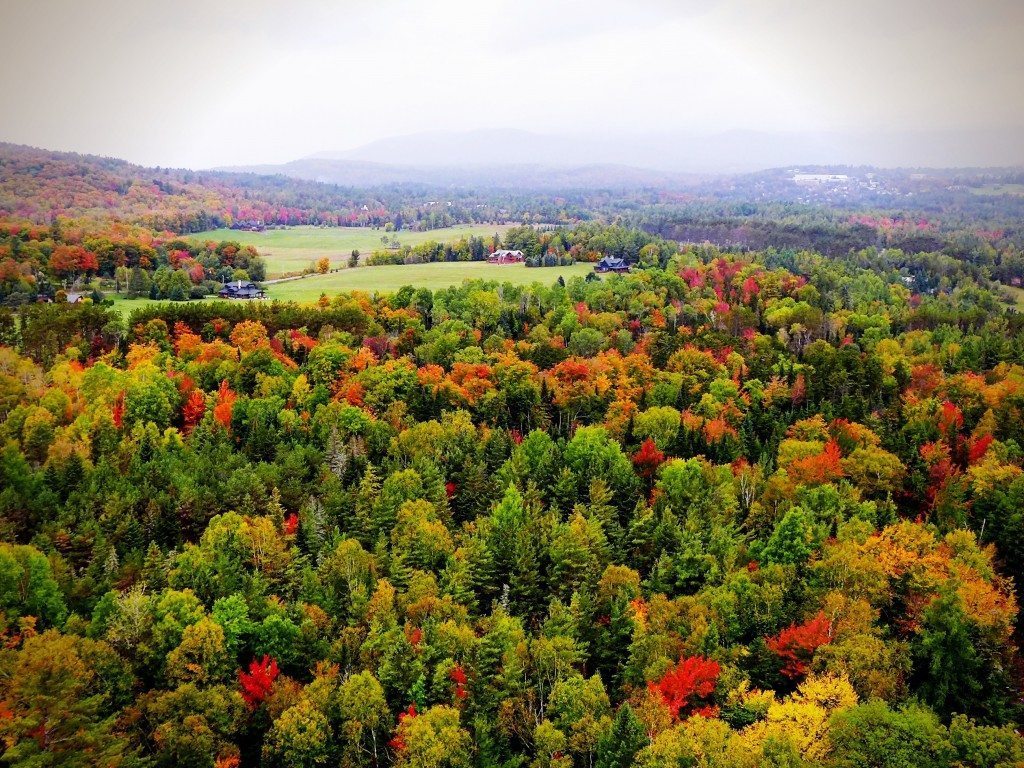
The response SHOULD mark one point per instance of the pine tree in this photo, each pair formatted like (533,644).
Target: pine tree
(433,485)
(483,578)
(639,542)
(366,497)
(138,283)
(314,528)
(612,645)
(154,568)
(398,570)
(112,564)
(564,493)
(618,747)
(526,582)
(418,693)
(602,510)
(474,491)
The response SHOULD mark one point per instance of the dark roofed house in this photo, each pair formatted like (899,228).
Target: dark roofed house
(612,264)
(241,290)
(506,257)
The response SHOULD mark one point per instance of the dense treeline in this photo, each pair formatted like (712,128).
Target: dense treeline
(897,208)
(38,262)
(755,509)
(995,246)
(542,246)
(39,186)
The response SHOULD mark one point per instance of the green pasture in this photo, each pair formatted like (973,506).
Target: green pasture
(999,189)
(387,279)
(292,249)
(1014,296)
(127,306)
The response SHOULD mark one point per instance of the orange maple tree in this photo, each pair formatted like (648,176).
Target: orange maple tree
(816,470)
(225,403)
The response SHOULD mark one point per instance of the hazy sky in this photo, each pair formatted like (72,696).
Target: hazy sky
(200,83)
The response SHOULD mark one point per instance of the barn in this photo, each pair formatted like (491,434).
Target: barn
(506,257)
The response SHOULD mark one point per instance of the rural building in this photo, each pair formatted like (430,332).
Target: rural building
(820,178)
(505,257)
(250,225)
(240,290)
(612,264)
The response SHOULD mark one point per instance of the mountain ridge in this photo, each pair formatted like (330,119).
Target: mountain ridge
(510,157)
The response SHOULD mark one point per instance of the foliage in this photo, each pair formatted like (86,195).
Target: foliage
(758,508)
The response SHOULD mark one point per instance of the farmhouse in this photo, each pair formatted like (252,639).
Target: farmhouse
(612,264)
(505,257)
(240,290)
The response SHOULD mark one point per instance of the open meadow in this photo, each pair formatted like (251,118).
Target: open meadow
(433,276)
(292,249)
(386,279)
(998,189)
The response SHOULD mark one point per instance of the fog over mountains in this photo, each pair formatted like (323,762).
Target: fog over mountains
(515,158)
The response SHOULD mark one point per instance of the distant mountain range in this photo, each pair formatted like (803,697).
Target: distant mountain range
(536,176)
(522,159)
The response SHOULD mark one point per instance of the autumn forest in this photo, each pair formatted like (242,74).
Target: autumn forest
(757,502)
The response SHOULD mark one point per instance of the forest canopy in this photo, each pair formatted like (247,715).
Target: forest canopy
(735,509)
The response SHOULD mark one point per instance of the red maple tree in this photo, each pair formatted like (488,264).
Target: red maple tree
(415,636)
(694,677)
(942,472)
(398,742)
(257,683)
(458,676)
(796,644)
(195,407)
(977,448)
(117,411)
(648,459)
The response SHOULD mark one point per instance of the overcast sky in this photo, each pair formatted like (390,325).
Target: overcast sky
(200,83)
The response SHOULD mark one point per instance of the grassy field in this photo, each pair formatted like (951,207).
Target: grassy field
(127,306)
(999,189)
(1015,296)
(391,278)
(433,276)
(292,249)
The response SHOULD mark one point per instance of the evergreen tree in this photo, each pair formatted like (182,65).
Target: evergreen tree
(619,746)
